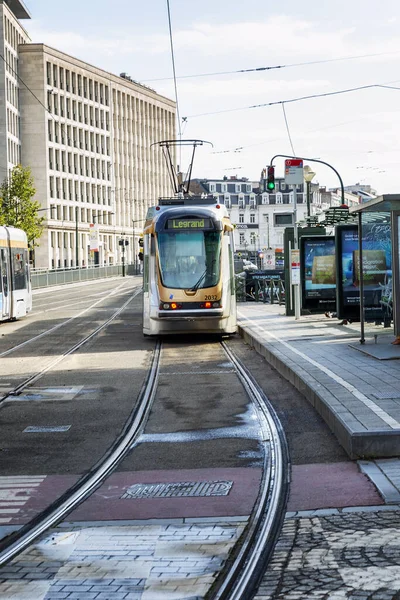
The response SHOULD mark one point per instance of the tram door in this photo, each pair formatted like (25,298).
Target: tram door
(4,284)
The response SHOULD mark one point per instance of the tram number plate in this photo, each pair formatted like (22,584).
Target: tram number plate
(210,297)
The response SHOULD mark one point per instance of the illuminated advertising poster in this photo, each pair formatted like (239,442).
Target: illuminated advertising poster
(377,268)
(318,273)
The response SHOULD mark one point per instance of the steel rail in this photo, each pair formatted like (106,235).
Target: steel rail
(33,378)
(15,543)
(242,576)
(59,325)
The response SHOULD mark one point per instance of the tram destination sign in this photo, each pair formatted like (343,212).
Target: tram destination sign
(185,223)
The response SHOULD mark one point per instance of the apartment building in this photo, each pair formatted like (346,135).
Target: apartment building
(88,137)
(260,216)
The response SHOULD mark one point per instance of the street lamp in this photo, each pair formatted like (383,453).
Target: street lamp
(308,177)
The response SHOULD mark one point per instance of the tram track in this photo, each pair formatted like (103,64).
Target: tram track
(246,564)
(63,323)
(32,378)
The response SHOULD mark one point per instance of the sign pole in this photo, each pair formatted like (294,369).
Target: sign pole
(294,176)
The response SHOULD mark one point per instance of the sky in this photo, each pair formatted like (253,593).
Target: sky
(357,132)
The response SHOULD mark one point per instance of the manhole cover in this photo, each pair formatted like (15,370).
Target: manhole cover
(178,490)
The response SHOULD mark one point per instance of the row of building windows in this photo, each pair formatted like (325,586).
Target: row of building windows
(85,215)
(68,162)
(78,138)
(77,84)
(11,62)
(14,152)
(77,111)
(13,123)
(265,199)
(68,189)
(12,35)
(11,92)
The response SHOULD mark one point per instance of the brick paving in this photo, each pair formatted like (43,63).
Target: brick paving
(174,561)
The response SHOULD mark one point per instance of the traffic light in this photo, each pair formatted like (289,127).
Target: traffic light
(271,178)
(140,242)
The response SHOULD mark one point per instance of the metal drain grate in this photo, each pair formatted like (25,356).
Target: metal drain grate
(178,490)
(387,395)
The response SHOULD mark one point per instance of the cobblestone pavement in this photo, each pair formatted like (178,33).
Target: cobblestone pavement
(175,561)
(354,553)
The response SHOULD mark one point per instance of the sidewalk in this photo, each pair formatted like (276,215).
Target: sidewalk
(355,388)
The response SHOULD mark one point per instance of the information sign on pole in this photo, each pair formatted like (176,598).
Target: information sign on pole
(94,237)
(295,266)
(270,259)
(294,171)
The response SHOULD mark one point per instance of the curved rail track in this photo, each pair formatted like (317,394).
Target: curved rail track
(243,571)
(55,360)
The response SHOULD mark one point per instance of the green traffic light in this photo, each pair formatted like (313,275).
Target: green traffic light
(271,185)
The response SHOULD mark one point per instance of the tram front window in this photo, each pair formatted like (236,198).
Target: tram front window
(189,259)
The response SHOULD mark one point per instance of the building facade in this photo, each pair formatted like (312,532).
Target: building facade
(12,36)
(88,137)
(260,216)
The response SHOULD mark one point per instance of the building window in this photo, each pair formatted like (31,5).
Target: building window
(237,188)
(241,239)
(283,220)
(212,187)
(252,218)
(241,217)
(265,199)
(223,187)
(248,187)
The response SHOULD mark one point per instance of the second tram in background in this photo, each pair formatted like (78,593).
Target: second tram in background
(188,273)
(15,281)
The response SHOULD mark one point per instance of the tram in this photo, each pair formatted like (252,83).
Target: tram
(15,281)
(188,273)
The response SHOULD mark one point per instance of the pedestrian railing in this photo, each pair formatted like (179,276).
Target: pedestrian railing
(47,277)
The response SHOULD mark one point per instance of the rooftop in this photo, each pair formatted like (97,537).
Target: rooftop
(18,8)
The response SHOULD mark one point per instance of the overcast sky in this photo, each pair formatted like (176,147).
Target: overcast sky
(357,132)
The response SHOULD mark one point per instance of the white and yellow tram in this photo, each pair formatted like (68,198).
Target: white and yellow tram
(188,273)
(15,284)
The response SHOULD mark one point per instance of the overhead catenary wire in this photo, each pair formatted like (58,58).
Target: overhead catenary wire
(273,67)
(287,128)
(298,99)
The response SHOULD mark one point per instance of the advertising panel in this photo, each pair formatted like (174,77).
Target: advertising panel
(318,273)
(377,268)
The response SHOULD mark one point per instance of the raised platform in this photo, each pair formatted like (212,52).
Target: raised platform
(357,395)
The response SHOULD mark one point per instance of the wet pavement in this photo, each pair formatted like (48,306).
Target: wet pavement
(340,535)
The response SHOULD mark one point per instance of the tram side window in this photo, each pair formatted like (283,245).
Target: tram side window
(19,271)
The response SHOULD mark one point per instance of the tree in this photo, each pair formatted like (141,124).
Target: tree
(17,207)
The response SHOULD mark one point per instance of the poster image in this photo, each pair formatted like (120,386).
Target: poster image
(377,270)
(318,263)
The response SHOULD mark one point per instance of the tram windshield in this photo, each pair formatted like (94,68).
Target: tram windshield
(189,259)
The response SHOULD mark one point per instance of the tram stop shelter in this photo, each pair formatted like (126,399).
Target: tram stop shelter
(381,209)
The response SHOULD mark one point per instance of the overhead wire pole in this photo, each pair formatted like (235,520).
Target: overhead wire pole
(175,84)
